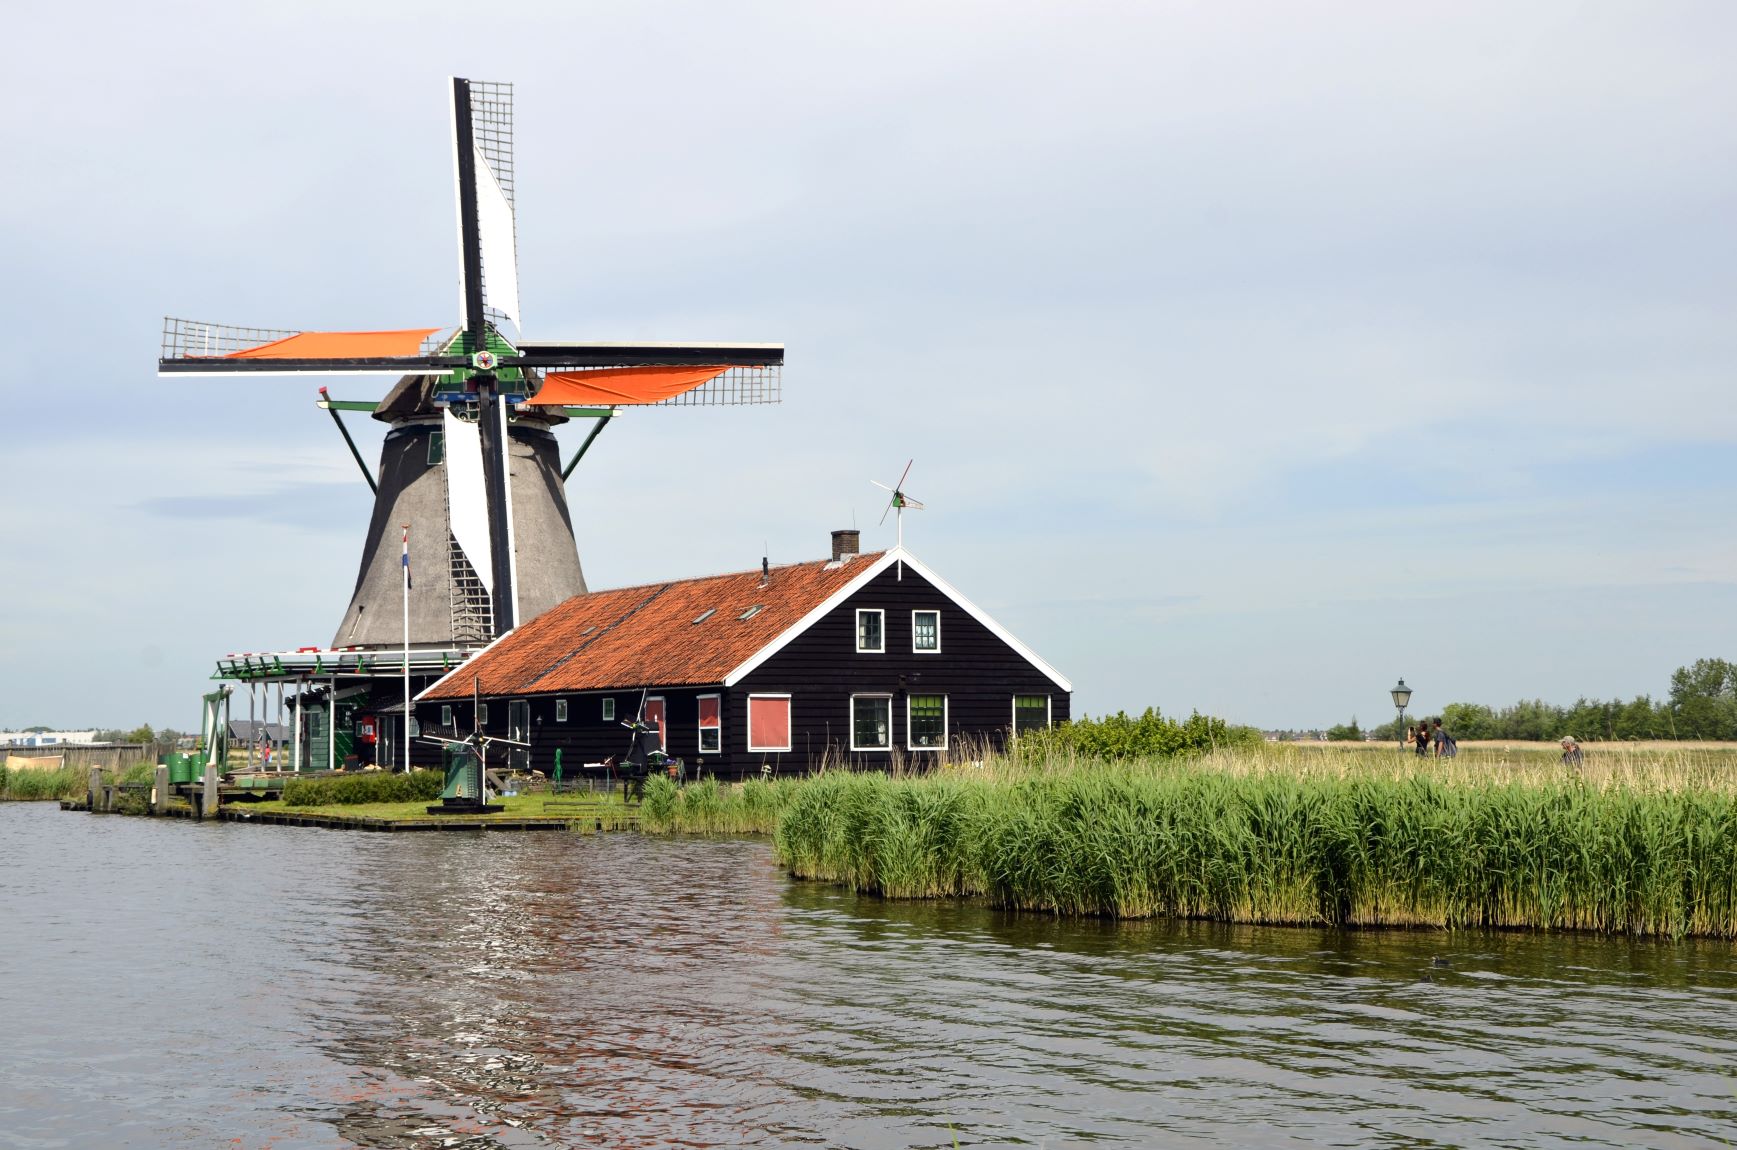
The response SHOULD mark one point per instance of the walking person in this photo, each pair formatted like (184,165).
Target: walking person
(1422,738)
(1571,755)
(1445,747)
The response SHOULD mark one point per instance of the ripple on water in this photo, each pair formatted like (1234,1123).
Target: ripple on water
(182,985)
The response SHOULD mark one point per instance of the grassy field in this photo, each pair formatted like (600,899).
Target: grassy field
(608,809)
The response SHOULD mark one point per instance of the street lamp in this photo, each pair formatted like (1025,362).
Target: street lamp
(1401,696)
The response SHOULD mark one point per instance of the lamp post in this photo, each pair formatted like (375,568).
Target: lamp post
(1401,696)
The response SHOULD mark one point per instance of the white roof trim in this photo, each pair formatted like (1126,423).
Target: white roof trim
(480,651)
(895,555)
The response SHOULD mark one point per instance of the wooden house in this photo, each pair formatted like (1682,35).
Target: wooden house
(858,659)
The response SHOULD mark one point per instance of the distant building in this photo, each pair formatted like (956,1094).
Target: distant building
(46,738)
(860,659)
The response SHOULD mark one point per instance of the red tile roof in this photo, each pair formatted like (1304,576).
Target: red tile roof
(646,636)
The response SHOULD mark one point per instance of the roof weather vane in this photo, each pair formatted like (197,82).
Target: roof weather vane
(899,501)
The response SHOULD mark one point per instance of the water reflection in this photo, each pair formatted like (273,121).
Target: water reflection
(531,991)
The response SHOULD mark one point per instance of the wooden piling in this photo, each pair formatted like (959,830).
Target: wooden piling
(95,789)
(160,791)
(208,794)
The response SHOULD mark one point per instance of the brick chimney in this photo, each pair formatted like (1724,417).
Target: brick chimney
(845,543)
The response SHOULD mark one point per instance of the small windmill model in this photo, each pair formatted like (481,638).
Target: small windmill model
(898,502)
(476,403)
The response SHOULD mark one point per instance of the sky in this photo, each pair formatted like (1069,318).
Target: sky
(1250,355)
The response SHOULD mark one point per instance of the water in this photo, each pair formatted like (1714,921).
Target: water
(168,984)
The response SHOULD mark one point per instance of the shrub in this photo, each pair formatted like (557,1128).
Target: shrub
(369,787)
(1119,736)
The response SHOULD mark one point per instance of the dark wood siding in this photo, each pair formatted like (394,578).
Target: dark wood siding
(586,737)
(821,669)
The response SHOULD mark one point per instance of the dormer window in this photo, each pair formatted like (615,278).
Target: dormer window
(871,631)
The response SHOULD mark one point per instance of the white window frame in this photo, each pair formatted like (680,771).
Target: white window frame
(1013,711)
(560,710)
(790,731)
(609,708)
(705,750)
(446,714)
(936,649)
(862,650)
(663,727)
(852,720)
(482,714)
(946,719)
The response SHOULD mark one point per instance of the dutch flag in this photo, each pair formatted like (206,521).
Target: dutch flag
(407,555)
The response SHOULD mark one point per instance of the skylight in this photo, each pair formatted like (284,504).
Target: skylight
(751,612)
(706,614)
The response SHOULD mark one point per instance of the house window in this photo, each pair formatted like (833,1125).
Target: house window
(926,719)
(871,630)
(871,722)
(654,715)
(711,725)
(768,722)
(560,710)
(482,715)
(925,630)
(436,448)
(446,716)
(609,710)
(415,726)
(1030,713)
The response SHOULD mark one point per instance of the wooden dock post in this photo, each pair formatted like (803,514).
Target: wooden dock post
(96,788)
(208,794)
(160,791)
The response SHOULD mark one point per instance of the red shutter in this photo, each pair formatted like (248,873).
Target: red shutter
(768,723)
(654,716)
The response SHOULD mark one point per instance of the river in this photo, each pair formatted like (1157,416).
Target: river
(171,984)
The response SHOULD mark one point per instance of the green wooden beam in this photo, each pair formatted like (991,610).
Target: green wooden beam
(603,418)
(590,412)
(346,405)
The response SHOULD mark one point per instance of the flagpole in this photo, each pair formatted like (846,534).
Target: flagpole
(406,648)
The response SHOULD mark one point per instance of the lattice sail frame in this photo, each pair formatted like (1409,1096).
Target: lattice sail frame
(198,339)
(491,126)
(736,387)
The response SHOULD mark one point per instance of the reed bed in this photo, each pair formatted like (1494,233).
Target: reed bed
(1644,845)
(707,808)
(29,784)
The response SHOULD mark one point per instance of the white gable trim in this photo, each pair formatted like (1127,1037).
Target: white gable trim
(470,659)
(896,555)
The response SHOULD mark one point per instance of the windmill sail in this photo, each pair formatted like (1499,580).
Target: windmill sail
(500,258)
(465,495)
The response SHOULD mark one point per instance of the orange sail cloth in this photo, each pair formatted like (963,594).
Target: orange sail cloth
(340,345)
(618,386)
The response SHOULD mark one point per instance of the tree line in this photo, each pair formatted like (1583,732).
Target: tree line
(1702,704)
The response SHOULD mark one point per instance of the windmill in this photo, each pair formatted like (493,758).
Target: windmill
(493,543)
(898,502)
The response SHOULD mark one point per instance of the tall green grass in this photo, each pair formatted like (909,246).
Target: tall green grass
(24,784)
(708,808)
(1194,839)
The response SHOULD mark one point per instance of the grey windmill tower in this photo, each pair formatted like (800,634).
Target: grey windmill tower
(471,464)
